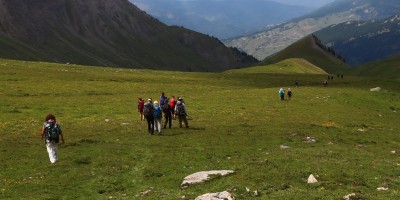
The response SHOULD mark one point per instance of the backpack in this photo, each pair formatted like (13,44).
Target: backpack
(148,109)
(166,108)
(52,131)
(157,111)
(179,109)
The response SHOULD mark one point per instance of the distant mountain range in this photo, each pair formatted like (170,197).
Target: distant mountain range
(266,43)
(362,42)
(107,33)
(222,18)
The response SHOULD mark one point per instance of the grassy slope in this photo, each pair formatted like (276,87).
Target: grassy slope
(238,123)
(387,68)
(308,50)
(288,66)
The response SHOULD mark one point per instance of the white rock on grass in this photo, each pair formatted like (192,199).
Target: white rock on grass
(350,196)
(200,177)
(382,188)
(377,89)
(216,196)
(312,179)
(283,147)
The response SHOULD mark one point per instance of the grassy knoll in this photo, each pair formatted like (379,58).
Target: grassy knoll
(288,66)
(238,122)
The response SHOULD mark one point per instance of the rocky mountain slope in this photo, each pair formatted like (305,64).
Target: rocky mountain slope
(273,40)
(363,42)
(223,18)
(107,33)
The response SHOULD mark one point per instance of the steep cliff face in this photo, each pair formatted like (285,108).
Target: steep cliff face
(103,32)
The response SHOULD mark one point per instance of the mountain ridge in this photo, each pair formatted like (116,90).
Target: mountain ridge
(274,39)
(107,33)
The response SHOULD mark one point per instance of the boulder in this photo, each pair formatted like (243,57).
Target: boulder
(312,179)
(216,196)
(350,196)
(200,177)
(377,89)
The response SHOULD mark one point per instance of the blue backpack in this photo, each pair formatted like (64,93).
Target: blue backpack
(157,111)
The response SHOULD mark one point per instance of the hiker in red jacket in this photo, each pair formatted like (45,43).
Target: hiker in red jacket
(140,108)
(172,103)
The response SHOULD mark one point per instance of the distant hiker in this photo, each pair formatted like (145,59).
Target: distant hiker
(140,108)
(296,83)
(325,83)
(167,114)
(289,93)
(180,111)
(332,77)
(282,94)
(148,112)
(157,117)
(329,77)
(172,104)
(162,99)
(51,132)
(342,76)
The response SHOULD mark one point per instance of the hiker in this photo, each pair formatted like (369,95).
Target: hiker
(172,104)
(342,76)
(329,77)
(51,132)
(140,108)
(180,111)
(162,99)
(282,94)
(296,83)
(167,114)
(325,83)
(332,77)
(289,93)
(148,112)
(157,117)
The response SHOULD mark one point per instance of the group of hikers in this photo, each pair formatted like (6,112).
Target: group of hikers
(330,77)
(153,112)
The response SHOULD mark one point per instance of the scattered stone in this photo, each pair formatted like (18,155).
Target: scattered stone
(360,130)
(382,188)
(312,179)
(350,196)
(377,89)
(247,189)
(184,197)
(309,139)
(107,120)
(144,193)
(256,193)
(123,124)
(200,177)
(216,196)
(393,152)
(283,147)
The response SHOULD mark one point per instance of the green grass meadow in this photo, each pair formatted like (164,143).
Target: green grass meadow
(237,123)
